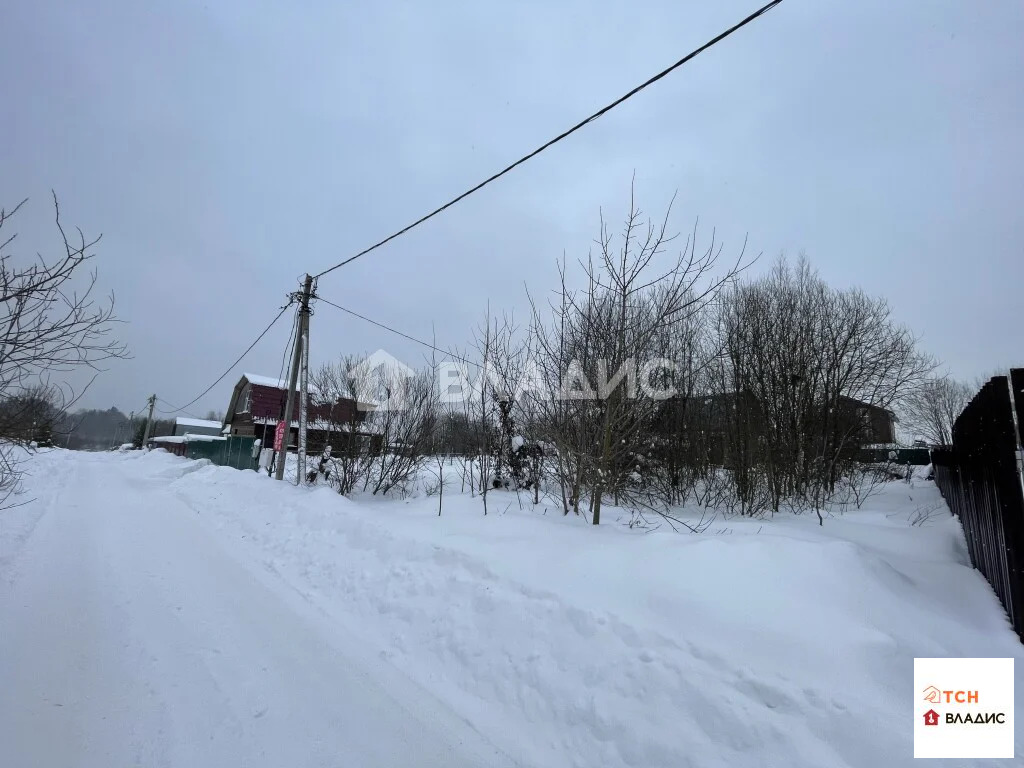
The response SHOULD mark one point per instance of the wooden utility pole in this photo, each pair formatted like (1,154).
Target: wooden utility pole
(282,454)
(149,421)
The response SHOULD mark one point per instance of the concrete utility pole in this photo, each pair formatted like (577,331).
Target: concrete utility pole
(282,454)
(149,421)
(303,396)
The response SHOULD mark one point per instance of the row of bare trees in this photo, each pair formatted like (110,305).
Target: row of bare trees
(653,375)
(656,373)
(819,369)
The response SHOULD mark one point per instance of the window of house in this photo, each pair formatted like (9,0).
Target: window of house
(865,418)
(245,400)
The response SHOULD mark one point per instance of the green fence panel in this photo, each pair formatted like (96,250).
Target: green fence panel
(206,449)
(235,452)
(239,452)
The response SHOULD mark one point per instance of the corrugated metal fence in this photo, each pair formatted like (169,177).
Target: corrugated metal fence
(234,452)
(981,478)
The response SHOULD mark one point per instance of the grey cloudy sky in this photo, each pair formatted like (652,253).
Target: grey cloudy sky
(225,148)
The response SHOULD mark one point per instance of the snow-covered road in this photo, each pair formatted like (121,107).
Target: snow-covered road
(156,611)
(129,636)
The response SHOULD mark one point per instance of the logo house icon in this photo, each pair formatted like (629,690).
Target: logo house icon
(380,382)
(932,695)
(931,717)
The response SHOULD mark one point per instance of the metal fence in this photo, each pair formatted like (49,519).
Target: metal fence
(234,451)
(982,480)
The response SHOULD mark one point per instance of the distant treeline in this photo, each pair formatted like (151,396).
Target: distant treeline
(99,430)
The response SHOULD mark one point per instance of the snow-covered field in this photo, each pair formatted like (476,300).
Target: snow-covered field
(157,611)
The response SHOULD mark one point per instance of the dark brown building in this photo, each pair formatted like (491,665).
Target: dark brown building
(258,403)
(716,416)
(877,425)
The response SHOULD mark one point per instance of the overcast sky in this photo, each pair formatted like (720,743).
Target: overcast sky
(225,148)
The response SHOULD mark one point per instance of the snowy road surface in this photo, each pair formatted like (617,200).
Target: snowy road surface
(156,611)
(130,637)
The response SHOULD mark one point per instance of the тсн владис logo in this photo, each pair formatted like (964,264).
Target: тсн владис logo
(968,715)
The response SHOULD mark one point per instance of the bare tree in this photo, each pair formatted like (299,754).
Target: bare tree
(51,323)
(495,382)
(34,416)
(334,401)
(808,365)
(439,455)
(382,420)
(605,352)
(932,408)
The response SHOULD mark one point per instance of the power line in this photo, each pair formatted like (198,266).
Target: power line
(237,361)
(287,347)
(560,136)
(161,410)
(398,333)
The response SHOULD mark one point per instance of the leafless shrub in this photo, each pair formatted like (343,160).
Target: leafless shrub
(382,420)
(925,513)
(334,388)
(405,431)
(861,481)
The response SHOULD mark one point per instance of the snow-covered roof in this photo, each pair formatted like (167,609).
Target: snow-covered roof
(186,438)
(269,381)
(265,381)
(197,423)
(323,425)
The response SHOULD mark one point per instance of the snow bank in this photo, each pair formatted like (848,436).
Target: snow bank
(776,642)
(24,512)
(182,468)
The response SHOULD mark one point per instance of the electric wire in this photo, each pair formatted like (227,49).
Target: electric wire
(650,81)
(399,333)
(236,362)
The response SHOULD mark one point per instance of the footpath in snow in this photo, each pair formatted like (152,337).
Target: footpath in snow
(230,620)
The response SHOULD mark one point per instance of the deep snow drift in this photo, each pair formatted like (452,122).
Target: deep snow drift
(757,643)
